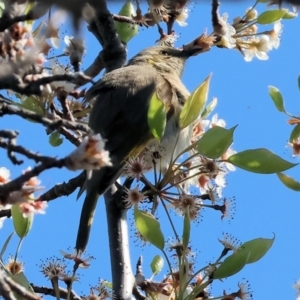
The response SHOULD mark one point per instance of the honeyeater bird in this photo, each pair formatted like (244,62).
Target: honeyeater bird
(120,108)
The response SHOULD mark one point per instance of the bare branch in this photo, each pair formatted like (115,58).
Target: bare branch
(5,213)
(20,290)
(5,290)
(122,275)
(62,98)
(12,147)
(95,68)
(54,124)
(15,82)
(63,189)
(63,293)
(129,20)
(6,22)
(71,137)
(114,52)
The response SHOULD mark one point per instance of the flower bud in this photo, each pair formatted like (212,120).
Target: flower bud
(251,14)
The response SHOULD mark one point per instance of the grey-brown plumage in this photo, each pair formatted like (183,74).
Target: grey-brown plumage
(119,114)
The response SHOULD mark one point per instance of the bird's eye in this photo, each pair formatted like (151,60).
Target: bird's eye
(163,52)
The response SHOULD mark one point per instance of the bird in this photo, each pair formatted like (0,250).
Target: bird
(120,106)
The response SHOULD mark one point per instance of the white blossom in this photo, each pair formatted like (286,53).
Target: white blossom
(90,155)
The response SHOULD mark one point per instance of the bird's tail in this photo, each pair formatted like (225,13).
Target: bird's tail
(96,185)
(86,219)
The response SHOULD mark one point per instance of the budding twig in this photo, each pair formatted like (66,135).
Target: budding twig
(17,183)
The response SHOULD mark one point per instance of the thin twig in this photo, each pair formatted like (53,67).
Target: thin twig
(71,137)
(54,124)
(17,183)
(11,147)
(49,291)
(63,189)
(34,87)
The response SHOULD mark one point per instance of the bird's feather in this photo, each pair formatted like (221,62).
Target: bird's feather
(120,107)
(119,114)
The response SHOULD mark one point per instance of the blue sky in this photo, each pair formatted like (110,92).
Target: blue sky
(263,205)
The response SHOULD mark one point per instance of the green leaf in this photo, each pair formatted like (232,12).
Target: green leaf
(270,16)
(277,98)
(127,31)
(247,253)
(55,140)
(157,264)
(299,82)
(149,228)
(186,228)
(215,142)
(2,6)
(194,104)
(209,108)
(157,117)
(295,133)
(289,182)
(22,225)
(29,6)
(107,284)
(232,264)
(260,161)
(4,247)
(257,248)
(33,104)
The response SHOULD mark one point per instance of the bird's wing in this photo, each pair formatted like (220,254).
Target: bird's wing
(119,114)
(120,111)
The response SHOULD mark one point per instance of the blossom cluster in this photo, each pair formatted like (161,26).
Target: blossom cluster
(207,176)
(243,34)
(24,198)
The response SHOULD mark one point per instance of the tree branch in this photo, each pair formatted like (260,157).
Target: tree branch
(5,213)
(18,289)
(63,189)
(54,124)
(5,290)
(12,147)
(122,275)
(71,137)
(33,87)
(17,183)
(63,293)
(95,68)
(128,20)
(114,52)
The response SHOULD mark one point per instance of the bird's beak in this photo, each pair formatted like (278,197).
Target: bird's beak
(192,51)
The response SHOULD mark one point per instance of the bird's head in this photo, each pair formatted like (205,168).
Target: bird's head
(163,58)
